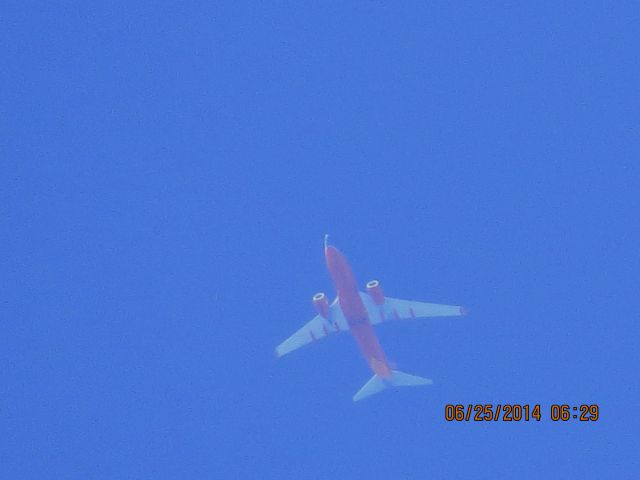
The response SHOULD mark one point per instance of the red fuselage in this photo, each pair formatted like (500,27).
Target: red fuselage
(355,312)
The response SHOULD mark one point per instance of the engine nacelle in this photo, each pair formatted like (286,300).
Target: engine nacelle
(321,304)
(375,292)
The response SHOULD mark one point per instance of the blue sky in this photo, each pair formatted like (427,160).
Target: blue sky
(169,171)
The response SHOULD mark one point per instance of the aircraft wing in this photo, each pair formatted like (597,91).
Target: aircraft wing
(396,309)
(315,329)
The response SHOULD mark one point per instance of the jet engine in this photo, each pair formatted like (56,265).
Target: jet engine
(321,304)
(375,292)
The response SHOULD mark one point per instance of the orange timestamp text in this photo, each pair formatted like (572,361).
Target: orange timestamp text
(513,412)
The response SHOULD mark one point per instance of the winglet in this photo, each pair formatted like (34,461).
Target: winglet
(326,241)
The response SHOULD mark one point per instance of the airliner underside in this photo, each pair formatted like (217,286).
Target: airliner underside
(356,312)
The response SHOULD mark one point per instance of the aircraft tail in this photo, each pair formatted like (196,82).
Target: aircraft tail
(397,379)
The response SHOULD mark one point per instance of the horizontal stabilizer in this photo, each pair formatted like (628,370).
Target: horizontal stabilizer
(400,379)
(397,379)
(373,386)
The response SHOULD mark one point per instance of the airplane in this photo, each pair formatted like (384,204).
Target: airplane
(357,312)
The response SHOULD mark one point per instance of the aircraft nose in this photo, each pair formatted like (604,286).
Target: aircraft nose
(333,256)
(330,253)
